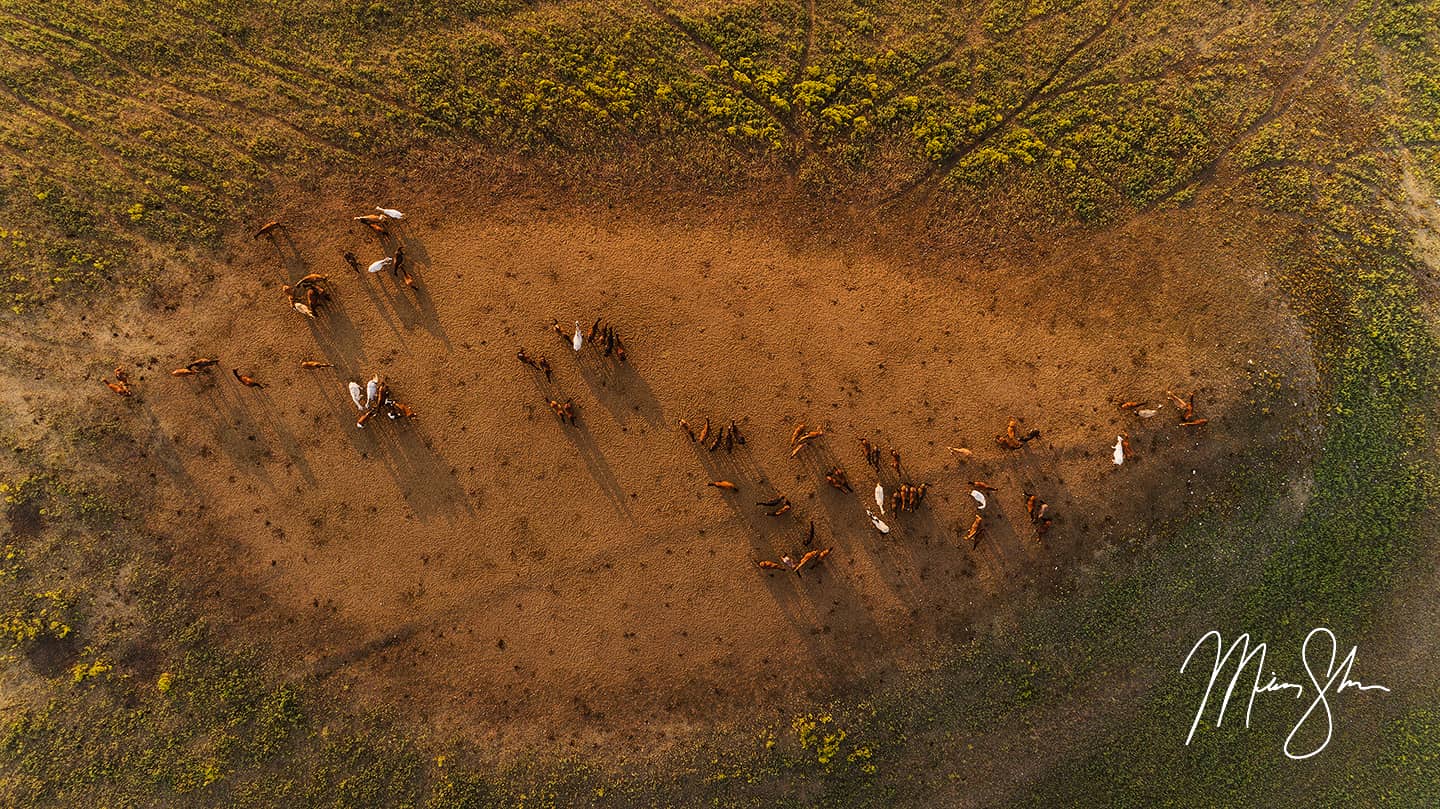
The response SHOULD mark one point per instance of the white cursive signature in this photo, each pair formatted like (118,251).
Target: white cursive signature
(1332,675)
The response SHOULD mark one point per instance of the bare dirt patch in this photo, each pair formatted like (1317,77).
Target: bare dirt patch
(516,579)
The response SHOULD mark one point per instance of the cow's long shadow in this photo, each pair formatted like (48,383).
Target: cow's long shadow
(386,294)
(288,443)
(925,556)
(618,387)
(380,303)
(292,262)
(396,298)
(584,443)
(1033,470)
(822,598)
(419,260)
(766,534)
(802,597)
(332,327)
(598,467)
(429,484)
(163,450)
(237,431)
(817,601)
(335,333)
(404,307)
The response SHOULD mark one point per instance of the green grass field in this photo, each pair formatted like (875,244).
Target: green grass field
(137,138)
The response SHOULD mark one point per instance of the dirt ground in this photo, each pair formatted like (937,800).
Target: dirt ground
(527,583)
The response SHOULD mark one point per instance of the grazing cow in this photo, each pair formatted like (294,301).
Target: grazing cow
(973,535)
(877,522)
(872,453)
(1187,410)
(784,508)
(815,556)
(804,441)
(245,380)
(1011,439)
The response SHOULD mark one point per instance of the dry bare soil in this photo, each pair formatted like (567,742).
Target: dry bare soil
(524,582)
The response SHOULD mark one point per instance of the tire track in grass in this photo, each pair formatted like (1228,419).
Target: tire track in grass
(1280,101)
(121,100)
(278,68)
(238,74)
(238,109)
(800,139)
(103,151)
(807,43)
(935,172)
